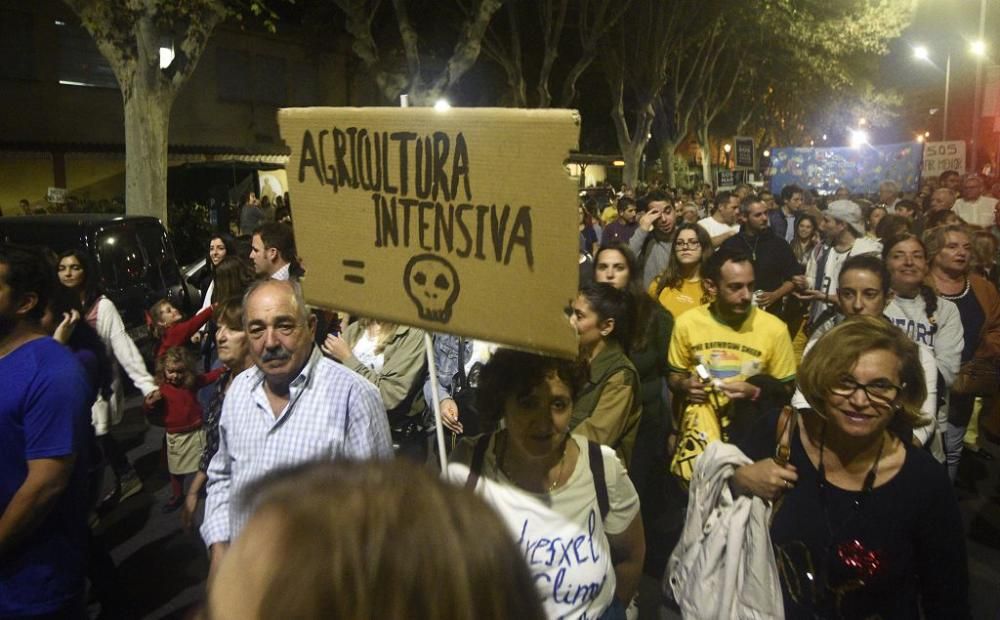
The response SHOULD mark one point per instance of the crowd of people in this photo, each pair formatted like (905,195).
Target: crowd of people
(793,377)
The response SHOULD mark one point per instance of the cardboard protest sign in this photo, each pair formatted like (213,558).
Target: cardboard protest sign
(941,156)
(461,221)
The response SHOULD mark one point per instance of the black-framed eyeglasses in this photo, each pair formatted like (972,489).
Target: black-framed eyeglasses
(880,390)
(687,244)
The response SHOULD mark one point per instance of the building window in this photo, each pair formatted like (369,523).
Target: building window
(269,80)
(245,78)
(305,85)
(17,45)
(232,76)
(80,62)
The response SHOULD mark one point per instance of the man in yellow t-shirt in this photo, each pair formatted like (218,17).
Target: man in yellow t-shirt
(732,340)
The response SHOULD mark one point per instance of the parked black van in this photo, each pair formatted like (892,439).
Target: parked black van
(133,255)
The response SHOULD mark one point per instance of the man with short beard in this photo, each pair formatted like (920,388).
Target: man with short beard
(717,349)
(623,227)
(721,224)
(44,457)
(294,406)
(773,261)
(842,228)
(652,241)
(783,220)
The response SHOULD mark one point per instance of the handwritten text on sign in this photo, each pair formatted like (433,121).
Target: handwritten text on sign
(460,221)
(941,156)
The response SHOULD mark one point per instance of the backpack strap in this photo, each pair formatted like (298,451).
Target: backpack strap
(600,484)
(476,465)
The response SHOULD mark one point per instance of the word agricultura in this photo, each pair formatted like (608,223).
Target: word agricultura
(420,191)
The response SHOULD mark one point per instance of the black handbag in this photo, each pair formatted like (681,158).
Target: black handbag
(464,391)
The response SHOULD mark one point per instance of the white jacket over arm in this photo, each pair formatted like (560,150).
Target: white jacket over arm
(111,329)
(723,566)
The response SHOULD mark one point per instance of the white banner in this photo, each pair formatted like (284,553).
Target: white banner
(941,156)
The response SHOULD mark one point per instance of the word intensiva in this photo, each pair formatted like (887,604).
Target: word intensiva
(420,190)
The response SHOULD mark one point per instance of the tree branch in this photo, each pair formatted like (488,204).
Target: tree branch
(409,37)
(552,28)
(466,49)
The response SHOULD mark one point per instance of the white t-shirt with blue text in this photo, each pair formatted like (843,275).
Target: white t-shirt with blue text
(561,534)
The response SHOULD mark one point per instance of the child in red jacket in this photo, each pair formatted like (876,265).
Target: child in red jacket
(171,328)
(182,415)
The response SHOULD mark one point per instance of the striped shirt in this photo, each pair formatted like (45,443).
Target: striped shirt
(331,413)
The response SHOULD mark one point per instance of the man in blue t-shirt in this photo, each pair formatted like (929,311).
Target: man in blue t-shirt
(44,425)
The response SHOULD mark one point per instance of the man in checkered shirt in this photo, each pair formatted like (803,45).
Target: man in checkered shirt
(293,406)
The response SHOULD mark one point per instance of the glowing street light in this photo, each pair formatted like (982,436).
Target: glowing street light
(920,137)
(767,153)
(166,56)
(442,105)
(978,48)
(858,138)
(921,52)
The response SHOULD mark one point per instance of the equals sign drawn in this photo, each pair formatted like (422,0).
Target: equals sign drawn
(354,264)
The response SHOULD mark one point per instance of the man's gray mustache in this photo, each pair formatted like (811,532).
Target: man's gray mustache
(271,355)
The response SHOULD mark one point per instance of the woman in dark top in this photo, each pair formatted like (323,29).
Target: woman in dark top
(616,265)
(607,409)
(865,525)
(234,353)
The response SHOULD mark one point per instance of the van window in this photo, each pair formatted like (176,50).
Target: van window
(163,272)
(121,258)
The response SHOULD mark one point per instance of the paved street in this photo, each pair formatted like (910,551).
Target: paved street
(162,568)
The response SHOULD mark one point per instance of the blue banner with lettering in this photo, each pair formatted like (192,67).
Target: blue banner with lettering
(859,169)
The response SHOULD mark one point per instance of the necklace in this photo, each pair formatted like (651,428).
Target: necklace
(965,291)
(864,563)
(502,464)
(753,250)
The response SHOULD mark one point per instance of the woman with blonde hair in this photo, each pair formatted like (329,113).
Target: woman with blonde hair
(371,540)
(864,523)
(679,288)
(949,250)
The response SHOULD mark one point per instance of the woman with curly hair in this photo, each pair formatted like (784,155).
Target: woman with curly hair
(550,485)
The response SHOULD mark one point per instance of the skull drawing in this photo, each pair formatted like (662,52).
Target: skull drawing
(432,283)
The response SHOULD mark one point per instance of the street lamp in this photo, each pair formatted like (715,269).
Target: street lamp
(858,137)
(979,50)
(442,105)
(921,53)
